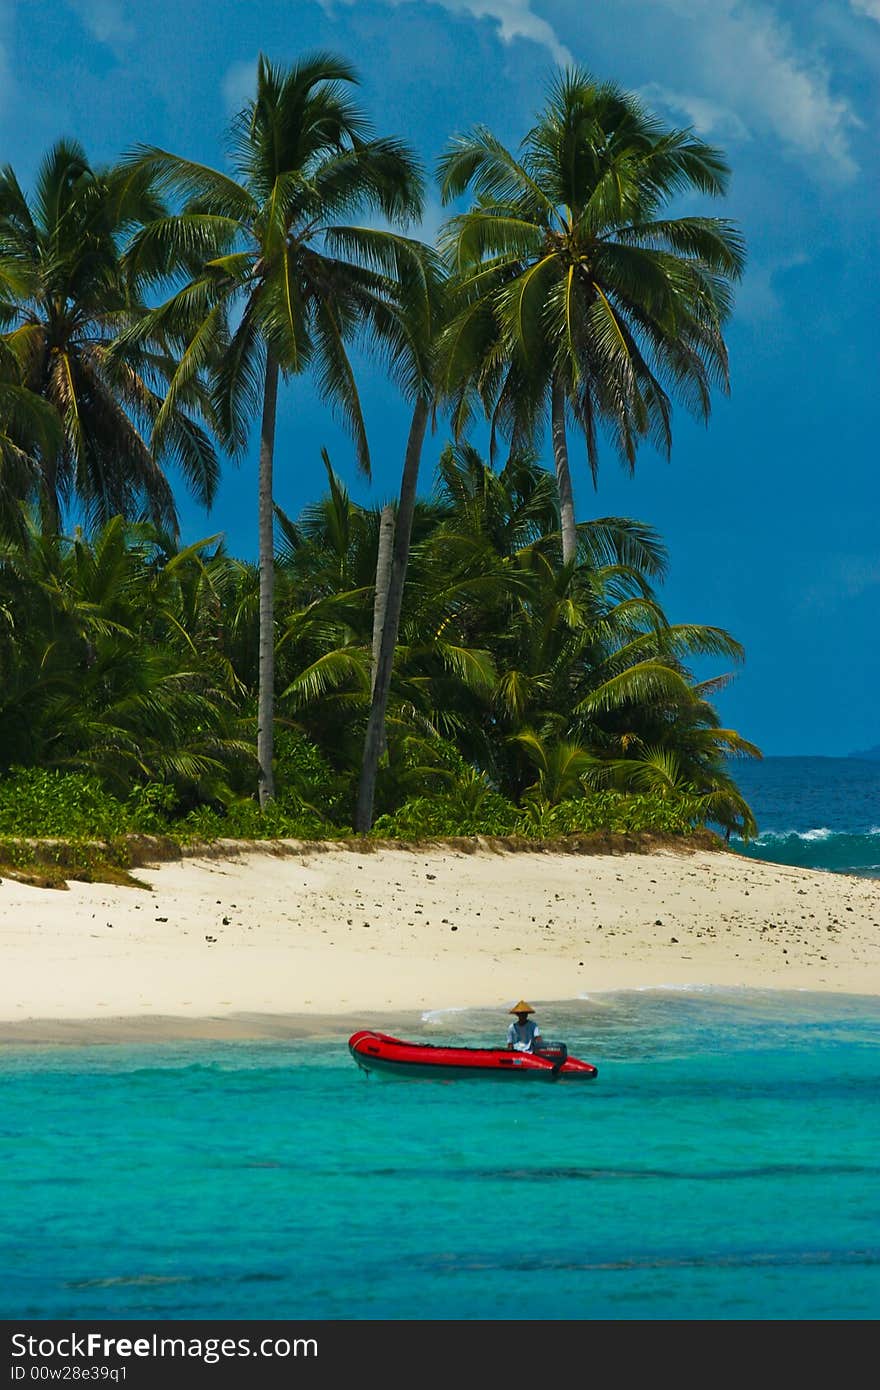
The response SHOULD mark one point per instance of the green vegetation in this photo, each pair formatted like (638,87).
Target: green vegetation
(70,291)
(277,281)
(504,670)
(527,698)
(576,295)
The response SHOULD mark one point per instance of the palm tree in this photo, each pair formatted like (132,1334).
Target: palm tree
(561,767)
(411,341)
(543,680)
(589,674)
(383,582)
(111,660)
(279,284)
(327,564)
(577,294)
(65,293)
(30,436)
(664,773)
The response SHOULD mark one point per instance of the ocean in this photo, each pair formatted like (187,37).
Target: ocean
(724,1165)
(819,813)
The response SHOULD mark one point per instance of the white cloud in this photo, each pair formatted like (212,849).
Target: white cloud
(871,8)
(759,297)
(106,20)
(733,67)
(705,115)
(240,84)
(515,19)
(844,578)
(750,66)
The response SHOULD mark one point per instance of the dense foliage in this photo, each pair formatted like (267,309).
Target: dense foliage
(515,674)
(519,687)
(70,297)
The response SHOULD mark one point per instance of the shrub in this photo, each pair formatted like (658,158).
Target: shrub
(448,814)
(150,807)
(39,803)
(245,821)
(305,781)
(610,810)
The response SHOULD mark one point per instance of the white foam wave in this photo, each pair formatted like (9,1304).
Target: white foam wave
(438,1015)
(819,833)
(690,987)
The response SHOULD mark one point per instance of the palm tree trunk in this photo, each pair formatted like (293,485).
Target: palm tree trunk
(383,581)
(563,473)
(266,698)
(375,736)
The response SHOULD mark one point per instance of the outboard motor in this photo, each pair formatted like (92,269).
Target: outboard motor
(556,1052)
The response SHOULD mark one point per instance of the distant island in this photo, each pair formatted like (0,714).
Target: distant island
(869,754)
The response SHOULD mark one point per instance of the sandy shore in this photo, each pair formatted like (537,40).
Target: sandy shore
(262,945)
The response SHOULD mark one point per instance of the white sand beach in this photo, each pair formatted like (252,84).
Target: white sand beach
(265,944)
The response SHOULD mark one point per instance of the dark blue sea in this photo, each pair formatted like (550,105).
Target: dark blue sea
(724,1165)
(818,813)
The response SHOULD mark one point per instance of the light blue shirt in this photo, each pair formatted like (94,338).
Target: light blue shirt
(522,1036)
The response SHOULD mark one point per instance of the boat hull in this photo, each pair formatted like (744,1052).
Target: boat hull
(383,1054)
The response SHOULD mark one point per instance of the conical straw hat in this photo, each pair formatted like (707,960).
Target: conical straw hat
(521,1008)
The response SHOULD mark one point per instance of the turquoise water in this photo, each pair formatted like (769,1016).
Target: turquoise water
(726,1164)
(818,813)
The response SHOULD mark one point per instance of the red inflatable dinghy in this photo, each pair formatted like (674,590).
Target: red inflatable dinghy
(380,1053)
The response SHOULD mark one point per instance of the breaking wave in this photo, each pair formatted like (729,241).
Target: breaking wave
(837,851)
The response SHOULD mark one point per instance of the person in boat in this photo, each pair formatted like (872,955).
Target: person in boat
(524,1035)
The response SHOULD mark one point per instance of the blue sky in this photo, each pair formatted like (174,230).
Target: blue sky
(771,513)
